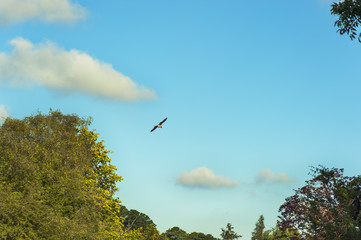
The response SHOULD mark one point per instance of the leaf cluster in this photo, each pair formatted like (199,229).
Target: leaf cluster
(133,219)
(228,233)
(327,207)
(349,17)
(175,233)
(56,180)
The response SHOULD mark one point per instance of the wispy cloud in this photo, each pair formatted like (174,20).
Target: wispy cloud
(3,113)
(266,175)
(15,11)
(205,178)
(53,67)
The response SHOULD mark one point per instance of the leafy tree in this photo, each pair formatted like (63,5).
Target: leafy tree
(138,226)
(151,233)
(257,233)
(135,234)
(349,13)
(134,219)
(273,234)
(328,207)
(228,233)
(200,236)
(103,176)
(278,234)
(175,233)
(56,180)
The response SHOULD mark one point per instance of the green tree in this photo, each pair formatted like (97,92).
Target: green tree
(175,233)
(104,178)
(278,234)
(349,13)
(257,233)
(228,233)
(134,219)
(150,233)
(56,180)
(200,236)
(327,207)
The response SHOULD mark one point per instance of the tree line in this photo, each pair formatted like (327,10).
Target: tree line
(57,182)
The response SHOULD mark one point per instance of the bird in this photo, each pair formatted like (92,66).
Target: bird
(159,125)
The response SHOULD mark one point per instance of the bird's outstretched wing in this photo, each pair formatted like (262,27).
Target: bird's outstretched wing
(165,119)
(155,127)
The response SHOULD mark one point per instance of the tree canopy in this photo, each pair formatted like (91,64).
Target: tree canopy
(349,17)
(228,233)
(200,236)
(56,180)
(134,219)
(175,233)
(327,207)
(278,234)
(257,233)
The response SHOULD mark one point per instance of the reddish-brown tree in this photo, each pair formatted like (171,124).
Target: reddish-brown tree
(326,208)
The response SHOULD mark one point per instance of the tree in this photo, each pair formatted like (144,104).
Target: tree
(349,13)
(328,207)
(175,233)
(56,180)
(151,233)
(278,234)
(139,226)
(228,233)
(257,233)
(273,234)
(200,236)
(104,178)
(134,219)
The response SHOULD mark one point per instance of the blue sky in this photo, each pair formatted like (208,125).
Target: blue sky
(255,92)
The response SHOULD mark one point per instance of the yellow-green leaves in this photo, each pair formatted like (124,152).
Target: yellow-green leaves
(56,180)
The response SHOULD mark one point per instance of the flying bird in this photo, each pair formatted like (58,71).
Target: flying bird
(159,125)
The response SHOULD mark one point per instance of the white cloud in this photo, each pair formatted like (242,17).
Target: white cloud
(204,177)
(3,113)
(50,66)
(268,176)
(15,11)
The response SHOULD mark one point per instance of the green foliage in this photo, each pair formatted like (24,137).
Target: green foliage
(278,234)
(273,234)
(257,234)
(102,175)
(138,226)
(175,233)
(228,233)
(56,180)
(134,219)
(349,13)
(328,207)
(149,233)
(200,236)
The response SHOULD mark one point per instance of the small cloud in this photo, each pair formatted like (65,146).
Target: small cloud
(16,11)
(205,178)
(3,113)
(53,67)
(268,176)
